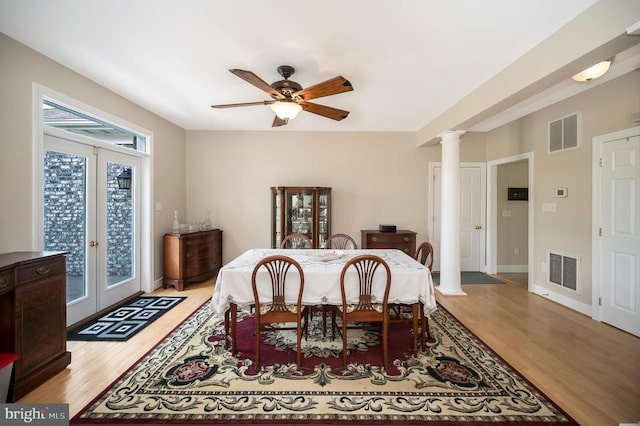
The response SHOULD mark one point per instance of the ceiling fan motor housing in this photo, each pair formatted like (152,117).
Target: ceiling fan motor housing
(286,86)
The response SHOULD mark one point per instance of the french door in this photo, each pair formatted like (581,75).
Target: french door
(88,215)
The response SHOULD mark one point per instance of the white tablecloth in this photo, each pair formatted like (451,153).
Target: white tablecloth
(410,280)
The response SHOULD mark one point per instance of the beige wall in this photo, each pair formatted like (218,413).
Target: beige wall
(376,178)
(20,67)
(512,228)
(604,109)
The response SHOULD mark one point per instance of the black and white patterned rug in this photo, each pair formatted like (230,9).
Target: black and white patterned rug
(124,322)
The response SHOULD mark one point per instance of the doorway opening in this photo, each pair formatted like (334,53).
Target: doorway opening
(509,221)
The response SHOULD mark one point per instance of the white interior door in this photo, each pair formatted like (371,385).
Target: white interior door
(471,216)
(620,230)
(87,215)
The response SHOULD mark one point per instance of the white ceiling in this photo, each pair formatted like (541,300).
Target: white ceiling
(408,60)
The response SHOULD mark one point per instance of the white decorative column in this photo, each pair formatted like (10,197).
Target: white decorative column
(450,215)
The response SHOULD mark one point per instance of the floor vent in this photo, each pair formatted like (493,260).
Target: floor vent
(563,270)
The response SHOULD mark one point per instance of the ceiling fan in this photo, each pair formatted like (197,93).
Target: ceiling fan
(289,98)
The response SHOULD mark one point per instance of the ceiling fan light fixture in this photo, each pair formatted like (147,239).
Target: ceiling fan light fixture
(591,73)
(286,110)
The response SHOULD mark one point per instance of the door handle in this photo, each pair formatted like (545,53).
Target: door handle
(478,227)
(93,243)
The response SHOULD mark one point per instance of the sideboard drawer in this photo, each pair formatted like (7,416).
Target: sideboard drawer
(40,270)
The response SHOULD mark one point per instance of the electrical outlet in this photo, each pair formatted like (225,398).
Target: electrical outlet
(548,207)
(543,267)
(158,207)
(516,251)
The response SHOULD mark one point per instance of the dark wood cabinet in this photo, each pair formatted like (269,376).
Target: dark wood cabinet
(33,314)
(403,240)
(191,257)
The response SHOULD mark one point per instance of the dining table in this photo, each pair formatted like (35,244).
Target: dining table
(411,283)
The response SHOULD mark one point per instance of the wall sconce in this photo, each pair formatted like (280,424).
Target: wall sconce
(124,179)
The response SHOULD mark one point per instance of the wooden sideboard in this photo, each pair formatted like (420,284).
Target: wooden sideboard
(33,317)
(403,240)
(191,257)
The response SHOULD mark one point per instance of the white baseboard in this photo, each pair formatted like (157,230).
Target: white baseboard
(563,300)
(157,283)
(518,269)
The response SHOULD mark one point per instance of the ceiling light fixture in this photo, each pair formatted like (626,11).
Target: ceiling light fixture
(286,110)
(591,73)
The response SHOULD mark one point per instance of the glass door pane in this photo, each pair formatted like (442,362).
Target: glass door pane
(301,208)
(324,212)
(65,214)
(119,227)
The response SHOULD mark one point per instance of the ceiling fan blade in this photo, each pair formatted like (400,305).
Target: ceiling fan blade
(253,79)
(330,87)
(277,122)
(242,104)
(325,111)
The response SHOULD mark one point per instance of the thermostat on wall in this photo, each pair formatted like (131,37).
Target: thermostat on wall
(561,192)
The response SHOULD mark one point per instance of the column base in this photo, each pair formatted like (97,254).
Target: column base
(450,292)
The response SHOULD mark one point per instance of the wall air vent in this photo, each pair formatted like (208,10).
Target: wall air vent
(563,270)
(563,133)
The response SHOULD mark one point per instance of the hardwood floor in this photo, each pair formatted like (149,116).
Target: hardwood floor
(588,368)
(515,277)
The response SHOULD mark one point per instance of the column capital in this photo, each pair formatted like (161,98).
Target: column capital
(451,135)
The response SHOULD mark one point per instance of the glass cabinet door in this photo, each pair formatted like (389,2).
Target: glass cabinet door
(276,217)
(324,209)
(300,205)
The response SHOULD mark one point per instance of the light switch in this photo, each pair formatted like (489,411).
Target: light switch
(506,213)
(548,207)
(158,207)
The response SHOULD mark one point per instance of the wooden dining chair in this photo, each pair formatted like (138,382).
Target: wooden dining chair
(296,240)
(278,311)
(413,313)
(341,241)
(424,254)
(366,310)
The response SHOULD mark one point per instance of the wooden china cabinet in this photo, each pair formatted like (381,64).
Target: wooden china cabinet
(302,209)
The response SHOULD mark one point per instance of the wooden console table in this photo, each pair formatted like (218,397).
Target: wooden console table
(33,317)
(403,240)
(191,257)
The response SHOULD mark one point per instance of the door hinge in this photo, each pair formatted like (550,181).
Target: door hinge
(599,301)
(600,161)
(600,232)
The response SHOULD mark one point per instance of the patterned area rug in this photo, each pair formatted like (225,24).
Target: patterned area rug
(124,322)
(189,378)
